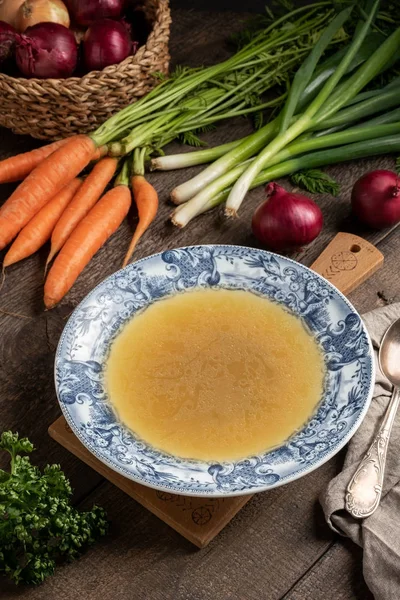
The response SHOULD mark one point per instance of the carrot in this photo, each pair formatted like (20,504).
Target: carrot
(38,230)
(99,152)
(18,167)
(86,197)
(86,239)
(146,199)
(42,184)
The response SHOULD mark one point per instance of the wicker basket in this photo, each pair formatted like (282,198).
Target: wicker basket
(55,108)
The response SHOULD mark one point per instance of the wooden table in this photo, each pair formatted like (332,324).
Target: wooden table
(278,546)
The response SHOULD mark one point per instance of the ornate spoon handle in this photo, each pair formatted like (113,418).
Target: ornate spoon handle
(365,487)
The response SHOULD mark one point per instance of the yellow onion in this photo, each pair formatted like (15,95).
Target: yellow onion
(32,12)
(9,10)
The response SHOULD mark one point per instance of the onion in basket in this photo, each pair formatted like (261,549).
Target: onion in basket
(85,12)
(7,40)
(9,10)
(47,50)
(106,42)
(32,12)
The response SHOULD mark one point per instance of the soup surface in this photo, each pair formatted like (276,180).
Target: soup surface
(215,374)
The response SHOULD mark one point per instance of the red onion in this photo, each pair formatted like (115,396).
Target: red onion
(105,43)
(47,50)
(376,199)
(286,221)
(7,40)
(86,12)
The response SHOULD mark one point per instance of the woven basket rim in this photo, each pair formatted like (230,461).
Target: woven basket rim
(161,17)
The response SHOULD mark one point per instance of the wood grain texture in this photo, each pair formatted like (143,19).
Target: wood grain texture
(144,559)
(347,261)
(276,541)
(336,576)
(384,287)
(199,520)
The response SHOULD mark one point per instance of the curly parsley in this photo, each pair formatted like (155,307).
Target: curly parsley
(38,525)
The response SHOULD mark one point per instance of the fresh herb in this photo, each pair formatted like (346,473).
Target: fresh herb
(258,120)
(38,525)
(328,101)
(316,182)
(398,165)
(328,107)
(196,97)
(373,147)
(191,138)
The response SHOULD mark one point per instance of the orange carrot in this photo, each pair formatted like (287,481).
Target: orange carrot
(99,152)
(87,196)
(18,167)
(86,239)
(38,230)
(146,199)
(42,184)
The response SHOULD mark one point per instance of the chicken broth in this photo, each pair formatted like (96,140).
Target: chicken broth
(215,374)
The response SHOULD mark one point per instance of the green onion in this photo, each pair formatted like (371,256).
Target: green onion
(378,103)
(306,71)
(171,162)
(183,214)
(375,147)
(372,67)
(274,52)
(304,121)
(247,148)
(252,144)
(380,100)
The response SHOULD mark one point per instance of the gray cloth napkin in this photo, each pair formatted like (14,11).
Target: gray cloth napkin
(379,534)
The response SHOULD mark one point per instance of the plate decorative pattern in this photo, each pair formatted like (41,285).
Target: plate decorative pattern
(86,340)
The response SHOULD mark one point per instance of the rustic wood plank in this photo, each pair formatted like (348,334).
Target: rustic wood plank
(27,398)
(199,520)
(384,287)
(143,558)
(284,522)
(336,576)
(348,261)
(337,211)
(261,554)
(27,345)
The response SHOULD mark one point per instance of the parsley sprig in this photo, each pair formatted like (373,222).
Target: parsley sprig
(38,525)
(316,182)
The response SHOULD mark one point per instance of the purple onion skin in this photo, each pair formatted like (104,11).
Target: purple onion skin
(86,12)
(47,50)
(7,41)
(106,43)
(285,221)
(375,199)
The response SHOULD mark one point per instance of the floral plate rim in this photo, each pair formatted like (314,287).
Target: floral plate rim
(307,468)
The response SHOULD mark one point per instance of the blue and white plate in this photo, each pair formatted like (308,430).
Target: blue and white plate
(90,331)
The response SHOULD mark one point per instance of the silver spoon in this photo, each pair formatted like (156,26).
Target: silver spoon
(365,488)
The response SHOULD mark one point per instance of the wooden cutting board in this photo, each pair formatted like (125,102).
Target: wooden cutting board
(347,261)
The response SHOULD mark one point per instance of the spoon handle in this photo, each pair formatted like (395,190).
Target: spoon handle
(365,487)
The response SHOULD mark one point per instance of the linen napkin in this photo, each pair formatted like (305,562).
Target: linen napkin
(379,534)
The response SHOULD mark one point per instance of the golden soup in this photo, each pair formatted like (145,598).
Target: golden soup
(215,374)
